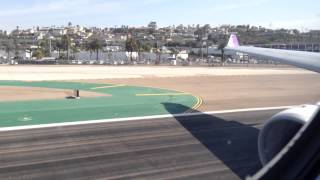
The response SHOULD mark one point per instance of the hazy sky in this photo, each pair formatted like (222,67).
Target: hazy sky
(269,13)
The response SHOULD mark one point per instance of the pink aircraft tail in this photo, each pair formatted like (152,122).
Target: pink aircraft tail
(233,41)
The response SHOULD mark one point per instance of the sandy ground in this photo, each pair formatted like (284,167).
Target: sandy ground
(231,92)
(72,72)
(10,93)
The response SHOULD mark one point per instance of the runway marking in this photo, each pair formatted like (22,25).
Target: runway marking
(106,87)
(196,106)
(164,94)
(142,118)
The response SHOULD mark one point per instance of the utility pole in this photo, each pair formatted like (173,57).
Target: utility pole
(50,45)
(68,52)
(202,50)
(207,51)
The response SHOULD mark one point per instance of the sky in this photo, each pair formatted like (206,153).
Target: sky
(294,14)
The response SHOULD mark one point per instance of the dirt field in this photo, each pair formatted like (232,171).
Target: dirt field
(12,93)
(73,72)
(230,92)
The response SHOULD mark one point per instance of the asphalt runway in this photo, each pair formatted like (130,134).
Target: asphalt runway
(222,146)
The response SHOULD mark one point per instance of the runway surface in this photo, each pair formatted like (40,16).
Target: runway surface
(222,146)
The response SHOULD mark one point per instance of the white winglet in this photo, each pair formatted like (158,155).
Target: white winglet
(233,41)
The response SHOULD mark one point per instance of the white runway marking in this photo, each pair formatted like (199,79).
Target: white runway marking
(141,118)
(107,87)
(164,94)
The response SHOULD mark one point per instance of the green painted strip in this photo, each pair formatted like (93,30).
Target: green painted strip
(123,103)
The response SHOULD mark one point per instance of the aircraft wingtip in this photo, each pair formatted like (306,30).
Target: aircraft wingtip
(233,41)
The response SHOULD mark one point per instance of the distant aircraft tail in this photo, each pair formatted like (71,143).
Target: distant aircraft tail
(233,41)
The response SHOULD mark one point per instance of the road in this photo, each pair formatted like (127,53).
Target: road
(221,146)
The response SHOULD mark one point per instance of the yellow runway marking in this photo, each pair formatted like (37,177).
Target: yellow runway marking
(164,94)
(196,106)
(105,87)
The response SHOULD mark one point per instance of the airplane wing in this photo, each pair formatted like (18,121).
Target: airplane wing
(306,60)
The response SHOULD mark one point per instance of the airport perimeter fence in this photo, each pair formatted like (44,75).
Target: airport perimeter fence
(178,63)
(147,59)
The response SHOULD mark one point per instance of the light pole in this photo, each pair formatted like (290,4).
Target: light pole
(50,45)
(202,51)
(204,43)
(207,44)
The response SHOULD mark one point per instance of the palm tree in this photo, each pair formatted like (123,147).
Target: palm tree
(131,45)
(66,43)
(16,49)
(87,47)
(75,50)
(9,46)
(59,46)
(96,44)
(221,47)
(139,50)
